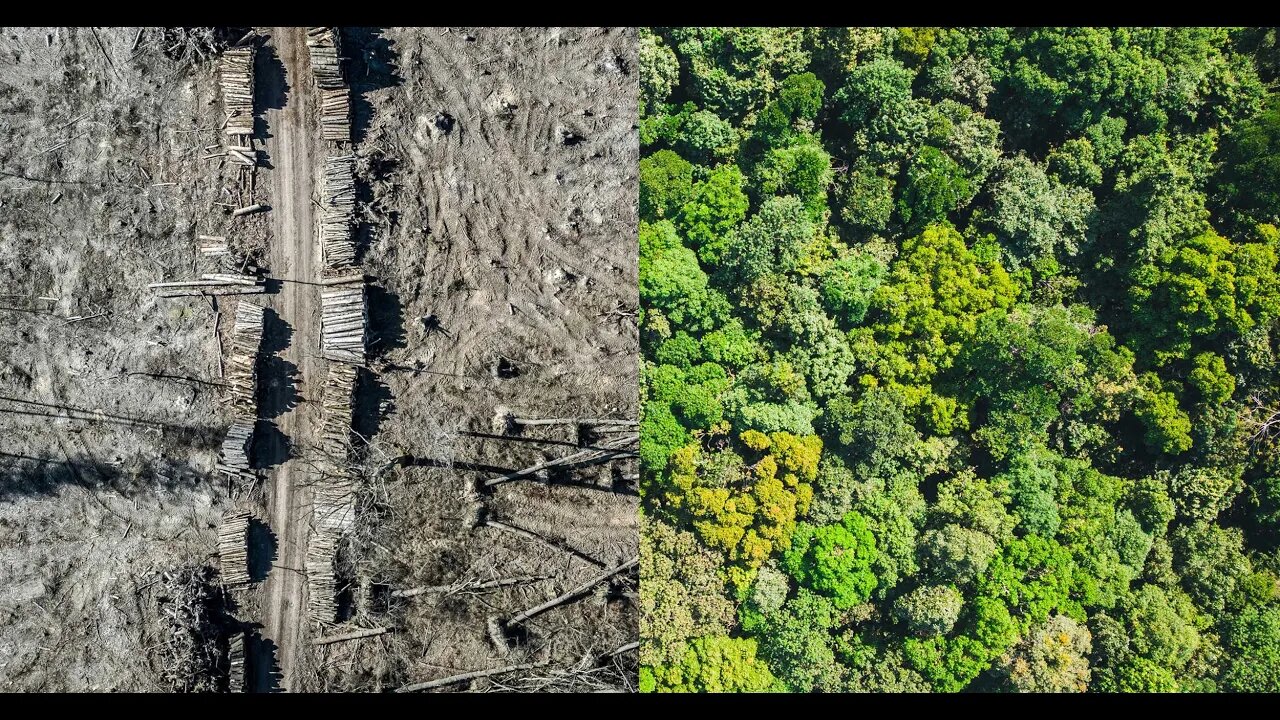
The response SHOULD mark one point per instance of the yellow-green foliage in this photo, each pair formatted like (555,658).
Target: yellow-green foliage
(750,517)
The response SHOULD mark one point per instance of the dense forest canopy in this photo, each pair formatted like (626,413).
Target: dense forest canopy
(960,359)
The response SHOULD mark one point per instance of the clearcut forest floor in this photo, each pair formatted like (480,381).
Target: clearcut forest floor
(109,423)
(502,167)
(499,232)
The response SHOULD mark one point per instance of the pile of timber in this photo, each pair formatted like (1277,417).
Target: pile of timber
(335,115)
(233,548)
(242,376)
(337,218)
(213,246)
(335,98)
(326,57)
(242,154)
(335,417)
(234,458)
(333,494)
(321,584)
(211,284)
(235,662)
(343,317)
(246,339)
(235,76)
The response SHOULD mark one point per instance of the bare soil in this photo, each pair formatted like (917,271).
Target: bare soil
(110,423)
(292,390)
(501,223)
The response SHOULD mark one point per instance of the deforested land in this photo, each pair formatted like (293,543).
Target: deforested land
(318,359)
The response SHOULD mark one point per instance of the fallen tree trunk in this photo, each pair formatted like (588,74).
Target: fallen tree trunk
(606,450)
(460,587)
(355,635)
(529,535)
(455,679)
(575,592)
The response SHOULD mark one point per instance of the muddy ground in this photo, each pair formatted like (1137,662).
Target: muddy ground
(501,225)
(500,228)
(109,421)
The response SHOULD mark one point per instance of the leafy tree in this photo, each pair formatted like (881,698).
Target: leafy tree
(1249,167)
(876,102)
(1253,642)
(716,664)
(732,71)
(659,70)
(714,207)
(1036,217)
(666,183)
(834,560)
(921,317)
(930,609)
(934,186)
(847,286)
(682,596)
(796,642)
(1053,658)
(773,239)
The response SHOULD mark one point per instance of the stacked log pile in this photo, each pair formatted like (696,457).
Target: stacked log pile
(233,548)
(235,663)
(335,98)
(235,78)
(337,219)
(333,495)
(234,457)
(242,376)
(343,318)
(321,584)
(246,338)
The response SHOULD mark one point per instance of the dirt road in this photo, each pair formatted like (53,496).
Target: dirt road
(295,374)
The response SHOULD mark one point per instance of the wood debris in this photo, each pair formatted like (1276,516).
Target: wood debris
(233,548)
(337,219)
(325,47)
(235,78)
(344,317)
(213,246)
(210,284)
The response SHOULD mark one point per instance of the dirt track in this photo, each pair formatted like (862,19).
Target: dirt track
(293,145)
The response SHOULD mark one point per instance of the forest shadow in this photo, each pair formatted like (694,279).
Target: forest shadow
(373,404)
(371,65)
(43,476)
(261,666)
(271,447)
(262,549)
(271,90)
(386,320)
(279,381)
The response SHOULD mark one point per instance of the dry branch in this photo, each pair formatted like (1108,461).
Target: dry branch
(575,592)
(464,677)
